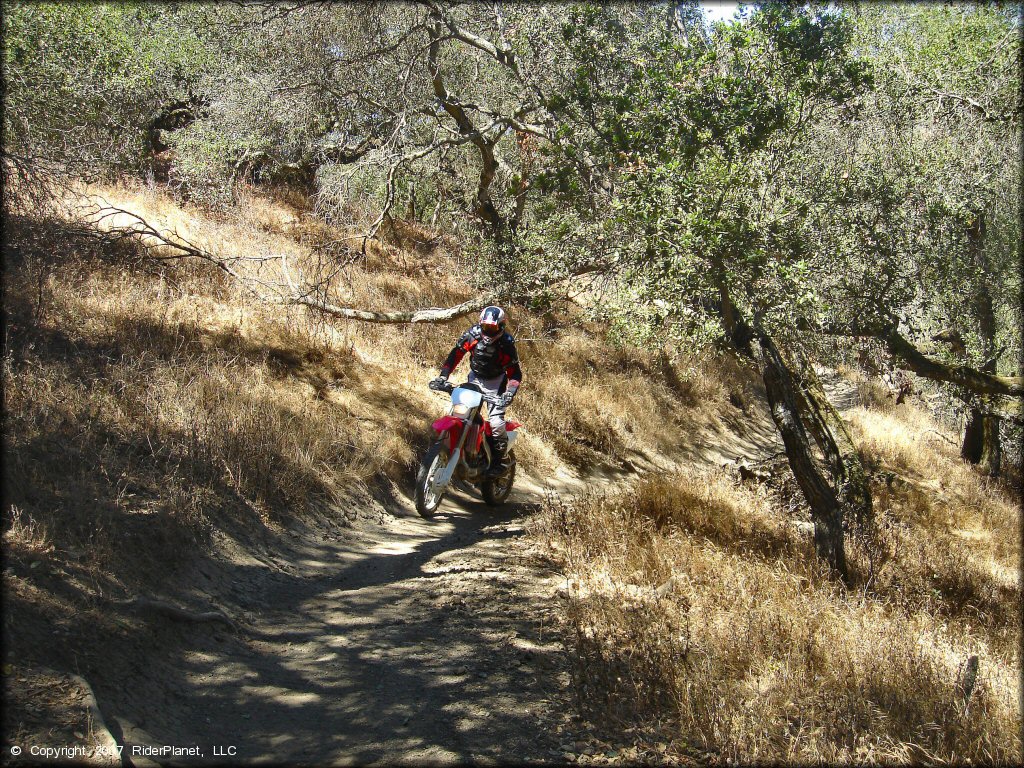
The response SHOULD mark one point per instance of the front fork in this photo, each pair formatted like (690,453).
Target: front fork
(444,477)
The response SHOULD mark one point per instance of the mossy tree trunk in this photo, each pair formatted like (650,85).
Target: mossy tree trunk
(844,461)
(981,444)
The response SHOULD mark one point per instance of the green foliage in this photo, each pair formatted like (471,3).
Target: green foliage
(932,156)
(83,79)
(697,137)
(806,166)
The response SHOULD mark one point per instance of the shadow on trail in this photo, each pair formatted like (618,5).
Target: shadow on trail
(411,644)
(400,555)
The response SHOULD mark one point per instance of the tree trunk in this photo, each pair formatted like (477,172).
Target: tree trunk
(736,328)
(844,462)
(981,442)
(785,399)
(981,434)
(991,451)
(484,208)
(981,438)
(787,403)
(970,449)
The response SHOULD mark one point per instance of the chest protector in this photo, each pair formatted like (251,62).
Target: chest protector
(489,358)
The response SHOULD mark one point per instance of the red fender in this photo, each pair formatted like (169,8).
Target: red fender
(451,425)
(445,423)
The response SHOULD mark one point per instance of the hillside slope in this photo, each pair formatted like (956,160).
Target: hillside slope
(172,441)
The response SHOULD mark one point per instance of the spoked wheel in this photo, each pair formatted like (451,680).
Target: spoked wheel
(497,489)
(428,498)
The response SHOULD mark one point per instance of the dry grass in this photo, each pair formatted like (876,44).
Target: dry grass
(162,397)
(754,654)
(597,403)
(148,405)
(947,539)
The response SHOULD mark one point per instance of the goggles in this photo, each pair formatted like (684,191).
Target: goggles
(490,329)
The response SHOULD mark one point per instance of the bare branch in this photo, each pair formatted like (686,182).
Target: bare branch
(485,208)
(296,295)
(428,315)
(501,55)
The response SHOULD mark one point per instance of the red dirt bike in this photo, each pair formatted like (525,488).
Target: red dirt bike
(460,454)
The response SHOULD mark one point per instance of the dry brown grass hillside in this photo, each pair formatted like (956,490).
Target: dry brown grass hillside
(157,414)
(159,419)
(695,601)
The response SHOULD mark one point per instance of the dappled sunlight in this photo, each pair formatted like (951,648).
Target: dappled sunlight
(240,240)
(220,416)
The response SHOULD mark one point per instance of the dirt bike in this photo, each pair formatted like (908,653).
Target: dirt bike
(460,453)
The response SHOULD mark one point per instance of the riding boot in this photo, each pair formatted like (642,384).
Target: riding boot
(498,447)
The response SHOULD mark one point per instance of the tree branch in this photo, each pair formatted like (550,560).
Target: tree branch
(150,237)
(428,315)
(485,207)
(501,55)
(970,378)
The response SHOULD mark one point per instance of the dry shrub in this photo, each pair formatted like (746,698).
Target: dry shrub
(25,534)
(874,395)
(763,659)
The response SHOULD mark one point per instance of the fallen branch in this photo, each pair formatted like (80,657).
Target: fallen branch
(428,315)
(151,237)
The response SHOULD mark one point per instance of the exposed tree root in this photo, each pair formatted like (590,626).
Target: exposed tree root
(175,612)
(102,733)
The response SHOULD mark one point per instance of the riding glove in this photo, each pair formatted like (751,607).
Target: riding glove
(438,384)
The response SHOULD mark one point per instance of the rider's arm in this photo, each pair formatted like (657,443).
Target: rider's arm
(513,372)
(464,344)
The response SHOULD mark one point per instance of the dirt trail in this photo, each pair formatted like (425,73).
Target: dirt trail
(412,641)
(393,641)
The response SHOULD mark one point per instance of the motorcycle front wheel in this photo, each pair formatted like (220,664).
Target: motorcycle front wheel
(428,500)
(497,489)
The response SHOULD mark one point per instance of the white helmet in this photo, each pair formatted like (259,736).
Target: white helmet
(492,321)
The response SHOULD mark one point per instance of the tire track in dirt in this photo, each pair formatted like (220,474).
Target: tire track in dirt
(414,641)
(392,641)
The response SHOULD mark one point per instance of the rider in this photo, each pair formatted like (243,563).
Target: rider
(494,368)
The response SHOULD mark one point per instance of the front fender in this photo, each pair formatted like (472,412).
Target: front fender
(445,423)
(453,426)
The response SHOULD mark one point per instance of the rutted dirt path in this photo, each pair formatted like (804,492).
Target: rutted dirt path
(412,641)
(396,640)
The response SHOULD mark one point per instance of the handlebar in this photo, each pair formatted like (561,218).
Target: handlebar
(447,387)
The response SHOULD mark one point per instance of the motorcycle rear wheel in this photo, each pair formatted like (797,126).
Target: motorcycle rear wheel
(435,460)
(497,489)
